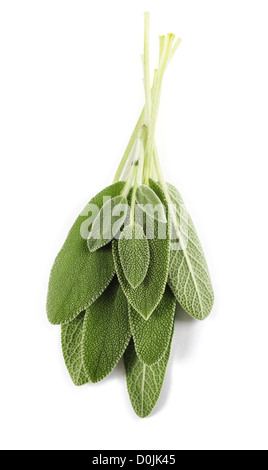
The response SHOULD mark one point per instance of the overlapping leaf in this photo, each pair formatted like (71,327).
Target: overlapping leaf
(150,203)
(189,277)
(152,337)
(108,222)
(78,277)
(134,253)
(144,382)
(145,298)
(106,332)
(71,341)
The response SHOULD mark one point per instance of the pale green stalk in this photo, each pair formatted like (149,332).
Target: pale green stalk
(154,174)
(142,141)
(129,147)
(146,168)
(164,45)
(174,49)
(138,169)
(128,182)
(133,198)
(146,59)
(155,104)
(162,40)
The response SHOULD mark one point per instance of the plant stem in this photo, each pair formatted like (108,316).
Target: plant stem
(133,198)
(155,102)
(129,147)
(162,40)
(128,183)
(154,174)
(147,84)
(142,140)
(147,169)
(138,169)
(174,49)
(150,111)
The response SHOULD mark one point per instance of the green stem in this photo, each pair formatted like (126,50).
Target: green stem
(138,169)
(155,103)
(128,183)
(152,105)
(154,174)
(158,168)
(162,40)
(174,49)
(146,169)
(133,198)
(147,84)
(129,147)
(142,140)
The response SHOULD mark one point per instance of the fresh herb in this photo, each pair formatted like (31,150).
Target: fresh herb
(130,257)
(152,337)
(134,253)
(106,333)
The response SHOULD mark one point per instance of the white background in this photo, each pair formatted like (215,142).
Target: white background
(70,93)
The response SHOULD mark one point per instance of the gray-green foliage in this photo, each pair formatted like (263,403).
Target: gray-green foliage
(71,341)
(150,203)
(78,277)
(189,277)
(144,382)
(148,294)
(134,253)
(106,332)
(152,337)
(108,222)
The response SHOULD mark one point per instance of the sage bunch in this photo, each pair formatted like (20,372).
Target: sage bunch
(131,256)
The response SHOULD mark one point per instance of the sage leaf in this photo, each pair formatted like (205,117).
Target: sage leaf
(152,337)
(134,252)
(150,203)
(108,222)
(106,332)
(79,277)
(144,382)
(145,298)
(189,277)
(71,341)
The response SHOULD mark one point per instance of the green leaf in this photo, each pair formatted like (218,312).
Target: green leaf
(150,203)
(71,341)
(189,277)
(106,332)
(134,254)
(144,382)
(79,277)
(145,298)
(152,337)
(108,222)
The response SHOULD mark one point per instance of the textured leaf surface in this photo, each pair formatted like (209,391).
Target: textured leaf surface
(71,341)
(106,332)
(78,277)
(189,277)
(152,337)
(108,222)
(151,203)
(145,298)
(144,383)
(134,254)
